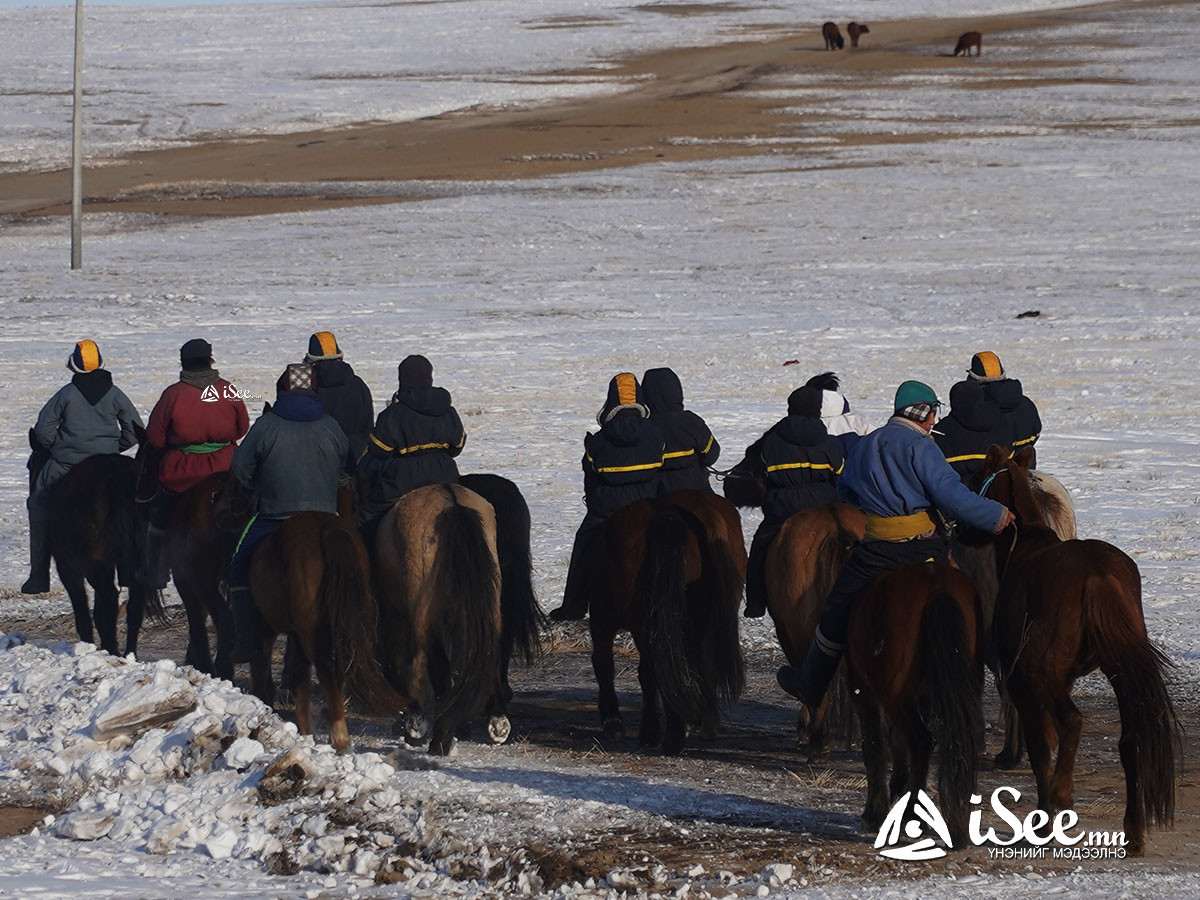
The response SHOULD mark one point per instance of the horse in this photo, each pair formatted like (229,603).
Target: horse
(801,567)
(311,580)
(833,37)
(94,536)
(198,549)
(653,571)
(914,655)
(855,31)
(521,619)
(975,554)
(437,578)
(966,41)
(1067,608)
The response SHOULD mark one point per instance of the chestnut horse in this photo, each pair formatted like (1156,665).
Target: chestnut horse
(833,37)
(95,537)
(966,41)
(914,655)
(802,564)
(654,570)
(855,30)
(1066,608)
(437,577)
(311,580)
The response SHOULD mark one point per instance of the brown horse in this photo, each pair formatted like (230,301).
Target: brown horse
(855,30)
(198,550)
(966,41)
(975,553)
(833,37)
(1066,608)
(802,564)
(311,580)
(653,571)
(914,656)
(96,539)
(437,578)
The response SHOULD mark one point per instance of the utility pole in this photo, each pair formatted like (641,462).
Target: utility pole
(77,147)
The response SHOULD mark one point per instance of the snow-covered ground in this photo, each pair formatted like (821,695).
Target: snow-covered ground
(883,262)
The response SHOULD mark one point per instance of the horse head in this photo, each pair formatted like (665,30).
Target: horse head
(232,507)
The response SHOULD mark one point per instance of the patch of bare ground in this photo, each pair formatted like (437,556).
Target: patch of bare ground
(675,105)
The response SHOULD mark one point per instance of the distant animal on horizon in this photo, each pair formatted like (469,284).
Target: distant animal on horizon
(833,37)
(968,40)
(855,30)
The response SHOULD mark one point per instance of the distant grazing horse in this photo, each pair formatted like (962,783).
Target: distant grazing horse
(654,571)
(801,566)
(968,40)
(311,580)
(855,30)
(437,579)
(914,656)
(521,618)
(975,553)
(198,549)
(94,536)
(833,37)
(1066,608)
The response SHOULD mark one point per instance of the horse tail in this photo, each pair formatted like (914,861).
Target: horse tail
(344,597)
(953,679)
(130,540)
(466,575)
(663,586)
(724,674)
(1135,667)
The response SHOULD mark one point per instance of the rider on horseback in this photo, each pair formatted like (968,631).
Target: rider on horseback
(621,463)
(1018,414)
(292,460)
(197,423)
(842,424)
(87,417)
(343,394)
(690,446)
(896,475)
(413,444)
(801,462)
(972,427)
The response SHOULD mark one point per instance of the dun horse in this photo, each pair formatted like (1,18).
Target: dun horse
(801,566)
(654,571)
(311,580)
(913,655)
(438,583)
(968,40)
(95,535)
(1066,608)
(855,31)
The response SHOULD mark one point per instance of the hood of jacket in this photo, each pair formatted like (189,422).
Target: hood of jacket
(971,409)
(625,427)
(833,403)
(298,406)
(801,431)
(663,391)
(1006,394)
(93,385)
(430,401)
(332,372)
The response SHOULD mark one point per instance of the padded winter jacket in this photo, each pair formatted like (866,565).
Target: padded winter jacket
(198,422)
(622,461)
(347,399)
(690,447)
(1018,413)
(801,462)
(972,426)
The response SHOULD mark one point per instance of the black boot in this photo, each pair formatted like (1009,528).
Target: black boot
(245,625)
(156,571)
(575,595)
(809,683)
(39,559)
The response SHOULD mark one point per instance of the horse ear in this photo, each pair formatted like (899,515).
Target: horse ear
(996,459)
(1024,457)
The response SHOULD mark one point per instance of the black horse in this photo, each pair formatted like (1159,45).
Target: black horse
(96,539)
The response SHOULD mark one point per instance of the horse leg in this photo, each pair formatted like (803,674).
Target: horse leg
(496,709)
(106,606)
(299,685)
(650,731)
(870,714)
(1070,724)
(412,724)
(73,581)
(135,614)
(1014,744)
(1135,809)
(262,685)
(197,654)
(613,729)
(335,703)
(1038,725)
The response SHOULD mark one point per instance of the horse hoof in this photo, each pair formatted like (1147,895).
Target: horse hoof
(499,728)
(411,728)
(437,748)
(1005,760)
(614,730)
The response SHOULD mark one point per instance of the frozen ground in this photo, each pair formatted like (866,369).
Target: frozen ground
(883,263)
